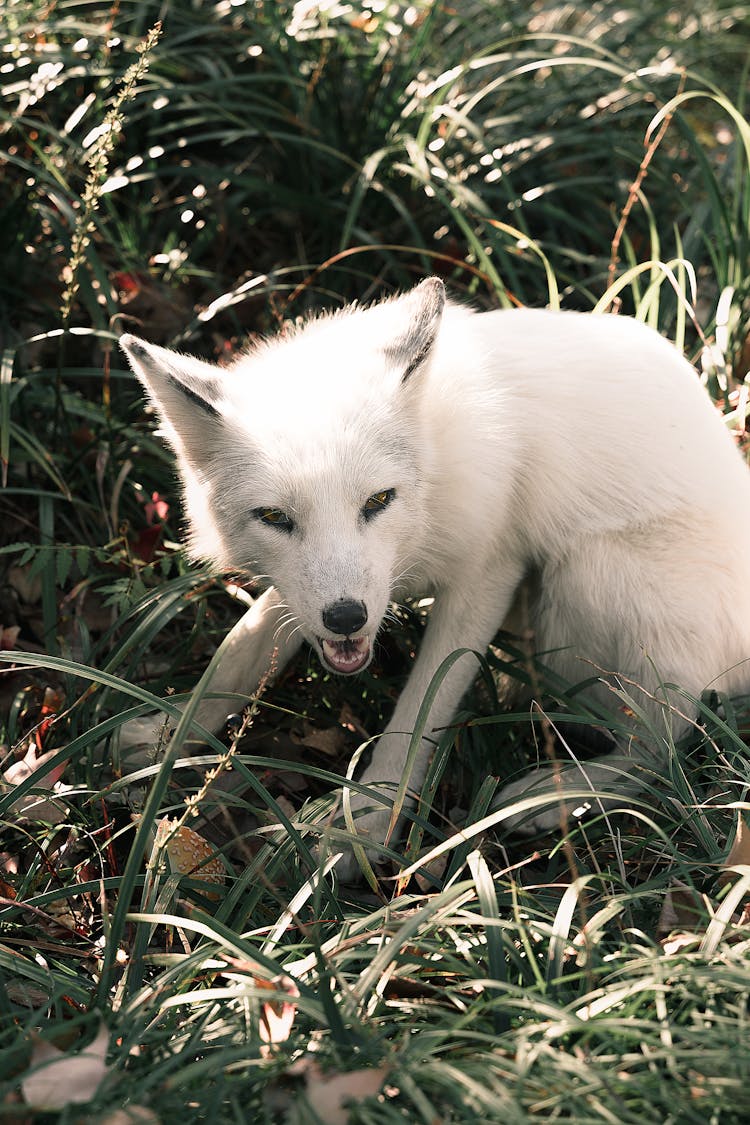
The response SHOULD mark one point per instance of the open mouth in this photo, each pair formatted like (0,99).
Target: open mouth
(347,656)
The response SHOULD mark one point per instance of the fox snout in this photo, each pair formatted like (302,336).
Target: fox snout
(351,654)
(345,616)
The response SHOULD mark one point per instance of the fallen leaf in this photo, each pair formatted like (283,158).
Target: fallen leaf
(9,637)
(59,1079)
(31,806)
(329,1093)
(144,299)
(51,704)
(679,942)
(28,586)
(189,853)
(435,868)
(682,909)
(31,763)
(286,807)
(276,1015)
(331,741)
(349,720)
(7,890)
(27,995)
(739,853)
(144,545)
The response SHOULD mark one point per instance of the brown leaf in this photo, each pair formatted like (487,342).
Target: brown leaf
(331,741)
(51,704)
(678,942)
(436,867)
(31,763)
(682,909)
(189,853)
(348,719)
(30,806)
(329,1093)
(28,586)
(739,853)
(143,299)
(276,1015)
(9,636)
(7,890)
(60,1079)
(27,995)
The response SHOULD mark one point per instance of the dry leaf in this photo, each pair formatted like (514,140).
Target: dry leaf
(331,741)
(680,942)
(51,704)
(189,853)
(32,762)
(286,807)
(28,586)
(28,995)
(144,299)
(61,1078)
(682,909)
(9,637)
(436,867)
(277,1014)
(350,722)
(739,853)
(328,1094)
(31,806)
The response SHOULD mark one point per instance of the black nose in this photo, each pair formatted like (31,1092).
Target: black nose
(345,616)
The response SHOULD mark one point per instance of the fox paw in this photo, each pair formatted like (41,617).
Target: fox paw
(562,798)
(371,828)
(544,818)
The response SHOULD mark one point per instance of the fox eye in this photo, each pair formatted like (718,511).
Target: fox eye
(274,517)
(377,502)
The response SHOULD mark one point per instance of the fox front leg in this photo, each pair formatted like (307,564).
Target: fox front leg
(259,646)
(467,618)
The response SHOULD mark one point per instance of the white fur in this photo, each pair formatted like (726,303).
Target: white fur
(580,448)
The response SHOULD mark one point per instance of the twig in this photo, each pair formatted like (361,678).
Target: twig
(635,187)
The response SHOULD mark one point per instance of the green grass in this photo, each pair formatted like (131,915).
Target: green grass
(256,164)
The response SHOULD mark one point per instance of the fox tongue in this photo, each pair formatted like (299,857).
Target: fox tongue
(346,656)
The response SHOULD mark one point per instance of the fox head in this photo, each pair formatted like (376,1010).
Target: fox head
(303,463)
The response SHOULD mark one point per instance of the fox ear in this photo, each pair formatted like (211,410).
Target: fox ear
(423,307)
(186,392)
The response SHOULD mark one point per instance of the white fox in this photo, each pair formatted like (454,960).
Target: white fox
(417,448)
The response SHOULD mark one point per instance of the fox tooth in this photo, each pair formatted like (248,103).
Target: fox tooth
(347,656)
